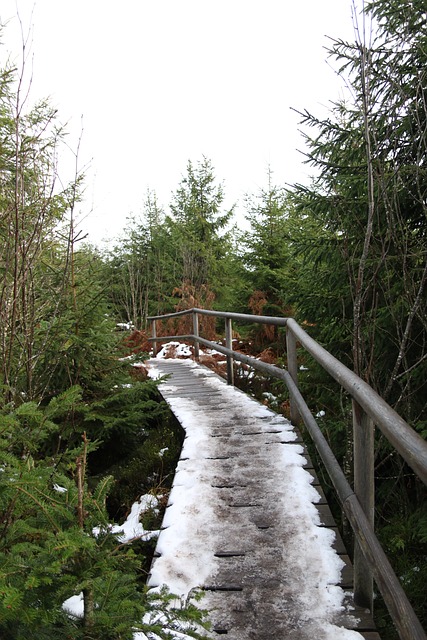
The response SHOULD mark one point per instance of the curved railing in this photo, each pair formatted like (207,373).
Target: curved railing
(369,409)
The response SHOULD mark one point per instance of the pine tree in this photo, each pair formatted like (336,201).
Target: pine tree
(142,267)
(369,203)
(31,207)
(198,228)
(370,196)
(266,246)
(56,539)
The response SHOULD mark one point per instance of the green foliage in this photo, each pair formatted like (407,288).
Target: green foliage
(48,546)
(265,247)
(67,406)
(372,283)
(47,557)
(360,245)
(77,342)
(132,428)
(198,229)
(183,259)
(170,614)
(141,268)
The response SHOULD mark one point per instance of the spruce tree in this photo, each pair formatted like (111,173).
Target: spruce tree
(369,203)
(266,249)
(198,227)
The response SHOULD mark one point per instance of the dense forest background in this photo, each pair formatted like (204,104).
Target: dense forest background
(345,255)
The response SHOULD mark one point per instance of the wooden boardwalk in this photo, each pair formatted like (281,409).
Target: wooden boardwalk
(235,527)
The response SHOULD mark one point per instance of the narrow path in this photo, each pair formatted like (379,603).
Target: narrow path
(247,520)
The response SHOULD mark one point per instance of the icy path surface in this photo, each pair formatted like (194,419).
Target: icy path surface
(242,521)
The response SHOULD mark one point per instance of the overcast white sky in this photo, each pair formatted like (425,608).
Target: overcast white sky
(159,82)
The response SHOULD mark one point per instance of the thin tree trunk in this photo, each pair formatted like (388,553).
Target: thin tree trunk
(89,610)
(360,281)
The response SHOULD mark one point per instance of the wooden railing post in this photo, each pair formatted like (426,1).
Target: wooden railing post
(363,451)
(291,352)
(229,345)
(154,335)
(196,334)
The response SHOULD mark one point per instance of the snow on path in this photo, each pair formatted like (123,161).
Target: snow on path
(301,568)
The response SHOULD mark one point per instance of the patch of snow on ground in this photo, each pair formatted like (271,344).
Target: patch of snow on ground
(174,635)
(74,606)
(269,396)
(129,530)
(186,566)
(184,350)
(154,372)
(59,489)
(212,352)
(125,326)
(178,348)
(132,527)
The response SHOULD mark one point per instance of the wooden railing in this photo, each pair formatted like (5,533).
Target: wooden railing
(369,409)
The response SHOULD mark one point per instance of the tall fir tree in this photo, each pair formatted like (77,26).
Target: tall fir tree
(199,229)
(368,202)
(266,249)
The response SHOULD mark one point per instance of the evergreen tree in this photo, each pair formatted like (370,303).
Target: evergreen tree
(63,391)
(368,203)
(370,198)
(76,339)
(142,267)
(56,540)
(198,229)
(31,209)
(266,249)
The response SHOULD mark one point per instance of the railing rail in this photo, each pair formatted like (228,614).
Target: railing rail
(369,409)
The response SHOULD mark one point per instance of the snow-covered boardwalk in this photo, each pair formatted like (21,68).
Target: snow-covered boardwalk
(248,522)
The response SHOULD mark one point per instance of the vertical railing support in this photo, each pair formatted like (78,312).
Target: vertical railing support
(154,335)
(196,334)
(291,352)
(363,448)
(229,345)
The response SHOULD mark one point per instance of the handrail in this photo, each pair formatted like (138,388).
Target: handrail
(405,440)
(368,409)
(281,322)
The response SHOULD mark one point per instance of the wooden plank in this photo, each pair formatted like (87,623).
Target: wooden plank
(321,494)
(361,619)
(346,581)
(326,517)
